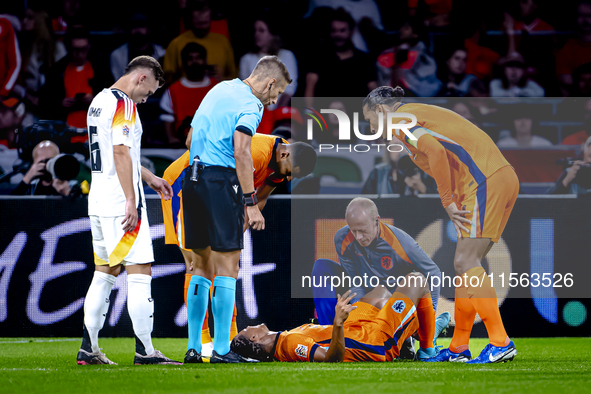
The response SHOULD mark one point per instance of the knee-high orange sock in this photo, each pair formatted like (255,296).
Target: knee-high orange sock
(187,282)
(484,299)
(205,335)
(426,316)
(233,327)
(464,315)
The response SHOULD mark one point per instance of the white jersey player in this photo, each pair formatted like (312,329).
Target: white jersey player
(117,210)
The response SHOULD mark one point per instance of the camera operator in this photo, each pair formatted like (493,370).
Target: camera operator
(577,178)
(38,181)
(398,175)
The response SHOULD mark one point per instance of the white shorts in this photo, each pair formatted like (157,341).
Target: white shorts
(112,246)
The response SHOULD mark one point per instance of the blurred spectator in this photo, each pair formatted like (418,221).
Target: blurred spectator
(514,81)
(577,178)
(267,42)
(39,52)
(139,44)
(398,175)
(282,117)
(220,55)
(38,181)
(70,14)
(68,91)
(580,137)
(341,70)
(182,98)
(582,81)
(12,112)
(10,57)
(409,64)
(219,23)
(436,11)
(363,12)
(576,51)
(455,81)
(466,110)
(331,135)
(523,120)
(481,59)
(528,20)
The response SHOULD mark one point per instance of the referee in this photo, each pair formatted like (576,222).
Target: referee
(215,191)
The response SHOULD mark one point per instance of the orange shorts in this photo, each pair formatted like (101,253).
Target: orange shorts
(385,328)
(490,204)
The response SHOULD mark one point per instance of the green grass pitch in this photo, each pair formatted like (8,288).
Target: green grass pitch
(48,365)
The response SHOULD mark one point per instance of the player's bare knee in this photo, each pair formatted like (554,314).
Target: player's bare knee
(109,270)
(378,292)
(377,295)
(144,269)
(414,285)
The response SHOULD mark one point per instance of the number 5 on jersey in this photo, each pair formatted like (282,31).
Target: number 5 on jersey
(95,150)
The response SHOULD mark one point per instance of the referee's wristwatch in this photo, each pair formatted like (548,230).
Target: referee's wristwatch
(250,199)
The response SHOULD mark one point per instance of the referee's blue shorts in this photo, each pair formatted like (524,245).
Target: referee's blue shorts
(213,210)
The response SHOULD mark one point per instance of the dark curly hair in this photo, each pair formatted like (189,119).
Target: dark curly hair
(246,348)
(384,95)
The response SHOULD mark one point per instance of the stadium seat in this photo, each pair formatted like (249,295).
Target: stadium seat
(343,170)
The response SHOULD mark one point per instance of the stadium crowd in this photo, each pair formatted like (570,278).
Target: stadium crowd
(57,55)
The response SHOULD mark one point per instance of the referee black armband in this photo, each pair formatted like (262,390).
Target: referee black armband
(250,199)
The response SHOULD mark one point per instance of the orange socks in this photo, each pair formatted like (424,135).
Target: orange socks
(187,282)
(206,335)
(426,316)
(464,315)
(484,299)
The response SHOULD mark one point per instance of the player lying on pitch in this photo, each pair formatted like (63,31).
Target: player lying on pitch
(274,160)
(373,329)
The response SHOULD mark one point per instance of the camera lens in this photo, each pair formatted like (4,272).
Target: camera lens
(64,167)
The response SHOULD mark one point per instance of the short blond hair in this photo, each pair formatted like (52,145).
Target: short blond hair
(367,205)
(271,67)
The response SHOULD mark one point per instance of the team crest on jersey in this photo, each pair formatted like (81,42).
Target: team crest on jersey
(386,262)
(125,130)
(302,351)
(399,306)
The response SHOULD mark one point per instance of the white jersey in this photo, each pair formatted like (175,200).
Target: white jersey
(112,120)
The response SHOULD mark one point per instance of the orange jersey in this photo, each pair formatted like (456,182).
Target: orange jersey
(451,149)
(371,334)
(172,210)
(262,149)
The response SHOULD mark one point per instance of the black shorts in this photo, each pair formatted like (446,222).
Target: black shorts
(213,210)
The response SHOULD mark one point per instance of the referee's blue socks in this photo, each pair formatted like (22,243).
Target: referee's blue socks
(222,305)
(197,301)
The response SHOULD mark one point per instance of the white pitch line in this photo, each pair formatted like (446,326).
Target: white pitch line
(43,340)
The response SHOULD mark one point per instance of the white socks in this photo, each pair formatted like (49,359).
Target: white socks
(140,306)
(96,305)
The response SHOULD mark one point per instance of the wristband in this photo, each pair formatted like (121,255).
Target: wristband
(250,199)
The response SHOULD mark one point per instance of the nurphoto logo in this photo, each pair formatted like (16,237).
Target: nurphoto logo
(393,128)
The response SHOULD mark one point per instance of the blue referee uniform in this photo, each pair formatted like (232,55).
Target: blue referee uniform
(213,208)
